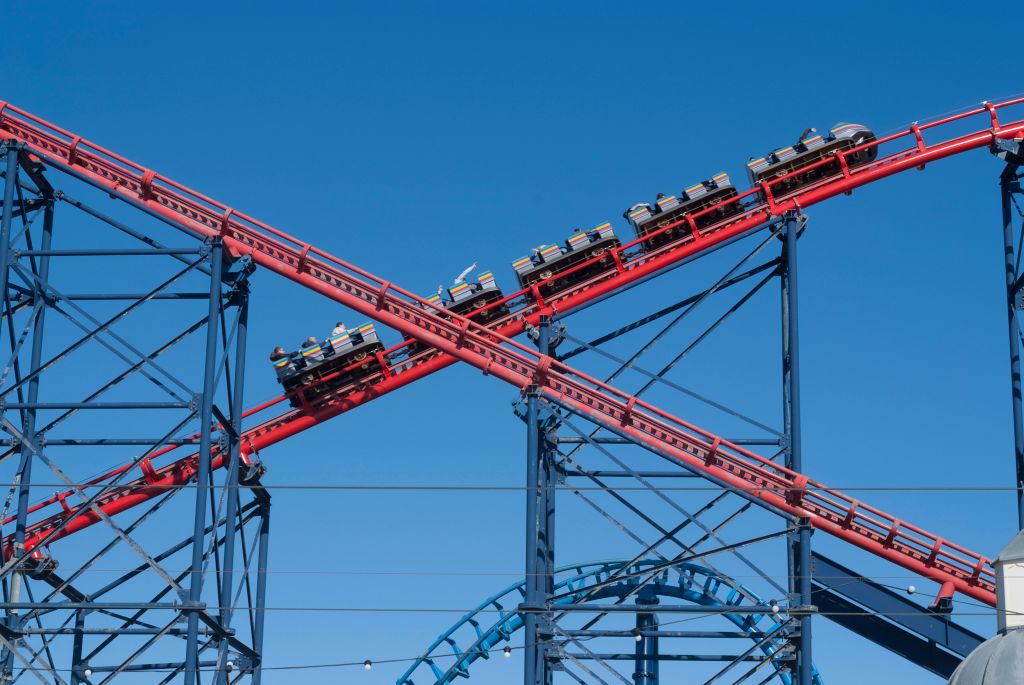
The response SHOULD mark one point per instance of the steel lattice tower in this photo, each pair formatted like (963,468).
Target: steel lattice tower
(78,363)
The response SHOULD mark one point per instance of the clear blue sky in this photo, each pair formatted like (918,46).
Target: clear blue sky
(413,139)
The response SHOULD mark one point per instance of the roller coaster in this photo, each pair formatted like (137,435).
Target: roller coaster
(478,325)
(690,582)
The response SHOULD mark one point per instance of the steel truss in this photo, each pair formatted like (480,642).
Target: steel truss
(554,635)
(77,363)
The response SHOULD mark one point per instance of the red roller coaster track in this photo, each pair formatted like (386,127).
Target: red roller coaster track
(493,352)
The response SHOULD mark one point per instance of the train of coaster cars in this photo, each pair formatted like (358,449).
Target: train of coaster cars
(351,354)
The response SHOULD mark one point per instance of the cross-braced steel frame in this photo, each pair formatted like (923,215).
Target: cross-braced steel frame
(554,440)
(157,348)
(544,642)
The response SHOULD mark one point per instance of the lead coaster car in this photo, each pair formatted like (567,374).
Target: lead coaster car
(807,151)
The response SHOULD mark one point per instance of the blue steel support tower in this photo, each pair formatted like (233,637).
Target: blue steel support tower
(550,645)
(799,563)
(77,364)
(540,526)
(1012,152)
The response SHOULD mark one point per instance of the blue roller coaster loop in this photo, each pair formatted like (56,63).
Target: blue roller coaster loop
(685,581)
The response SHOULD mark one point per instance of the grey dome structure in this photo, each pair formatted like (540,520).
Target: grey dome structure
(996,661)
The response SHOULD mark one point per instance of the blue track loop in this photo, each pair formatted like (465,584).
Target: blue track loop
(445,660)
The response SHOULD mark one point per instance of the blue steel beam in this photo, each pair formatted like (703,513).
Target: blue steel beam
(600,473)
(663,657)
(700,634)
(799,548)
(646,655)
(44,607)
(911,647)
(259,622)
(1009,184)
(77,645)
(665,609)
(12,621)
(611,440)
(547,342)
(205,458)
(159,666)
(30,416)
(10,181)
(93,442)
(134,296)
(113,252)
(95,405)
(233,428)
(926,638)
(539,514)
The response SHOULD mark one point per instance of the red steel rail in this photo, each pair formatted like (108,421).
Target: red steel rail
(456,338)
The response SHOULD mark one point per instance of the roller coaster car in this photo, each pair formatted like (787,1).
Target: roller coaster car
(466,299)
(551,260)
(646,219)
(310,364)
(785,160)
